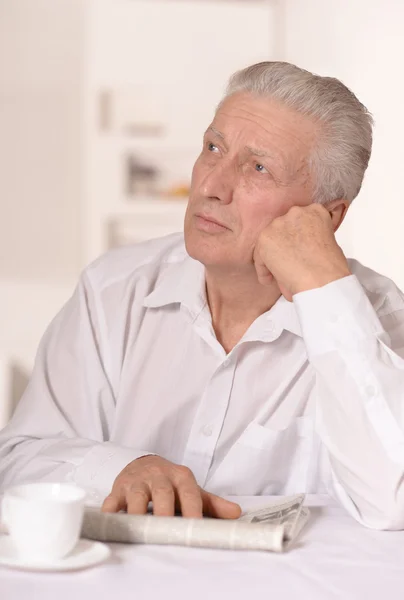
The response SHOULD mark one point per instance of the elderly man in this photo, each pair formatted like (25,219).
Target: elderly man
(252,359)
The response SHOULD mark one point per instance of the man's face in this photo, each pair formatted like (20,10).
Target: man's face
(252,169)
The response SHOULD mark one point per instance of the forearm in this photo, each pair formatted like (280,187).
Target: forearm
(92,465)
(368,476)
(360,391)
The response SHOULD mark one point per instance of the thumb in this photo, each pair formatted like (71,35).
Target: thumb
(285,292)
(264,275)
(219,508)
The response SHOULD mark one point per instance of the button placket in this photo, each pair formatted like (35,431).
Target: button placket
(208,423)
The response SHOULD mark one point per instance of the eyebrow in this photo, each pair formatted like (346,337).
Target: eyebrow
(257,152)
(215,131)
(250,149)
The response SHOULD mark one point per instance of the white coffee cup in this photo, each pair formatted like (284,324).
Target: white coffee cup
(44,519)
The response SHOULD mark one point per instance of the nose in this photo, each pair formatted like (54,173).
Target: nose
(220,181)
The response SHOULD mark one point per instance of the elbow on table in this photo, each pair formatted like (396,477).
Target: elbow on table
(387,517)
(378,505)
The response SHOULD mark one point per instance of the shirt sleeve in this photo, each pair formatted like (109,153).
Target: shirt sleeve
(358,359)
(62,424)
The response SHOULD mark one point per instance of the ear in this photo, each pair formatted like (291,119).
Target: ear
(337,209)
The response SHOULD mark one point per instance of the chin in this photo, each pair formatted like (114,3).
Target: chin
(207,250)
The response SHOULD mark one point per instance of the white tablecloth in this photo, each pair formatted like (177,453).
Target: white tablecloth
(335,558)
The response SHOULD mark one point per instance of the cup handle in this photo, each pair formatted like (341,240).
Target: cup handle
(4,514)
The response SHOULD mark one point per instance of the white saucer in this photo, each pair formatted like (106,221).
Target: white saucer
(85,554)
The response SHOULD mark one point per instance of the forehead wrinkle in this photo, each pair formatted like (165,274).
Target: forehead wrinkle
(278,158)
(256,119)
(293,169)
(263,121)
(250,149)
(281,159)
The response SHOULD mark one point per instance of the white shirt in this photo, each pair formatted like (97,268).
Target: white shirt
(311,399)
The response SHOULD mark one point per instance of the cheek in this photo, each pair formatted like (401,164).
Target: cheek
(256,211)
(259,203)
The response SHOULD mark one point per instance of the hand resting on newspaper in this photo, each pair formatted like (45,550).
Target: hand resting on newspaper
(172,488)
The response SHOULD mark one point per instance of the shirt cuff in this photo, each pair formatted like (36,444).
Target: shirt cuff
(337,315)
(101,466)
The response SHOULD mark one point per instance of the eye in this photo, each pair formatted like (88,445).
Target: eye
(260,168)
(212,147)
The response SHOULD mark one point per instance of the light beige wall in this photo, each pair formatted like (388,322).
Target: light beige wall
(41,53)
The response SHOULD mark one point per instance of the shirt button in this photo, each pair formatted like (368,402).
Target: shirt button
(371,390)
(207,430)
(226,362)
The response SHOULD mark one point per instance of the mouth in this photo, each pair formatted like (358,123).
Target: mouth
(209,224)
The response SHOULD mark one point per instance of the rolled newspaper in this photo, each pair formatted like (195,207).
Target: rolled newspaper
(273,527)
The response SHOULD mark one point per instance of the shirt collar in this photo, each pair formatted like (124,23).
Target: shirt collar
(284,315)
(183,282)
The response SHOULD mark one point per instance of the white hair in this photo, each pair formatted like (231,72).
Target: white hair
(340,158)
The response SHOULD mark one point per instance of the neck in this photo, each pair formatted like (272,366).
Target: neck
(236,299)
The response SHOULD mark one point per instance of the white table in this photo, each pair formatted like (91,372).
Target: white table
(335,558)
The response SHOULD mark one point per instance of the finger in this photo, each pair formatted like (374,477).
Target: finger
(190,500)
(215,506)
(163,497)
(264,275)
(285,293)
(114,503)
(138,496)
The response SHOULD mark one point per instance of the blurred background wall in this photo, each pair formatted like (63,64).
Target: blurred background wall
(102,108)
